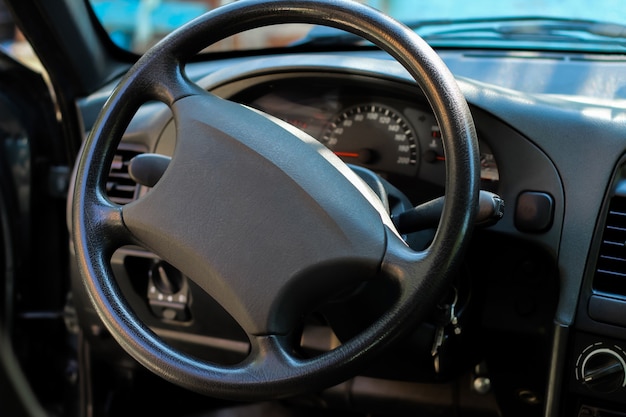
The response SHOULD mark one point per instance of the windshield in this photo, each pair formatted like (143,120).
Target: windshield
(579,25)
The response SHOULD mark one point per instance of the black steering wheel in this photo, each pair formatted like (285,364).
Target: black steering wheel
(261,216)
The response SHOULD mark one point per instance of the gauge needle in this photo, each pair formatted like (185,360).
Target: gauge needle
(364,155)
(347,154)
(432,156)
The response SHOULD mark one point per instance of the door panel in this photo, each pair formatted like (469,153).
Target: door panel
(34,354)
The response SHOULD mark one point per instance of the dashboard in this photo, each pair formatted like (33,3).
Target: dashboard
(549,152)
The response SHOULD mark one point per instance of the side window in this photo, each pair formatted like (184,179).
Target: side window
(12,42)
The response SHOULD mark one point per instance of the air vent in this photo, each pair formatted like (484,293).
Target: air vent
(121,189)
(610,274)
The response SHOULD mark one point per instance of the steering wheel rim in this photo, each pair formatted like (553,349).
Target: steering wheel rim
(271,370)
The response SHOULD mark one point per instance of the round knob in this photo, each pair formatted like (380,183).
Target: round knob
(603,370)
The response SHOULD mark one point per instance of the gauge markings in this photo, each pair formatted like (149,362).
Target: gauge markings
(374,136)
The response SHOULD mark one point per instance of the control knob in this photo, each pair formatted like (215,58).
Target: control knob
(602,369)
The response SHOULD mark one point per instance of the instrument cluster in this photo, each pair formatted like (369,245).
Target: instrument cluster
(388,131)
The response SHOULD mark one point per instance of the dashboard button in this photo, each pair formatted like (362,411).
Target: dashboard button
(534,212)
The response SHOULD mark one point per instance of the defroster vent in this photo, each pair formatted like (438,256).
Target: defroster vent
(610,276)
(121,188)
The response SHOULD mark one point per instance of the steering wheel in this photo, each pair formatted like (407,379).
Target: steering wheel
(261,216)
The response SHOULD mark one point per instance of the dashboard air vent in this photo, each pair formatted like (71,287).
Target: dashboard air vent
(121,189)
(610,275)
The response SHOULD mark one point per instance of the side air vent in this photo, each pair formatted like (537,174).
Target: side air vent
(610,275)
(121,189)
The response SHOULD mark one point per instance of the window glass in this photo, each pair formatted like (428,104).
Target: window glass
(529,24)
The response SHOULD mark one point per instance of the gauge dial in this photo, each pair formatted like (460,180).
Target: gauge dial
(375,137)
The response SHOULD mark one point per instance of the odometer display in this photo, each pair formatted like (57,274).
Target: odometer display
(375,137)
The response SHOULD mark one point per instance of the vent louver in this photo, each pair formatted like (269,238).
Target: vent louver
(120,187)
(610,276)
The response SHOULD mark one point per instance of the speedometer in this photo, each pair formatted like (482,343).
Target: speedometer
(374,136)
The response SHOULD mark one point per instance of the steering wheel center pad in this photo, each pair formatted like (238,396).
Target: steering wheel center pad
(235,192)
